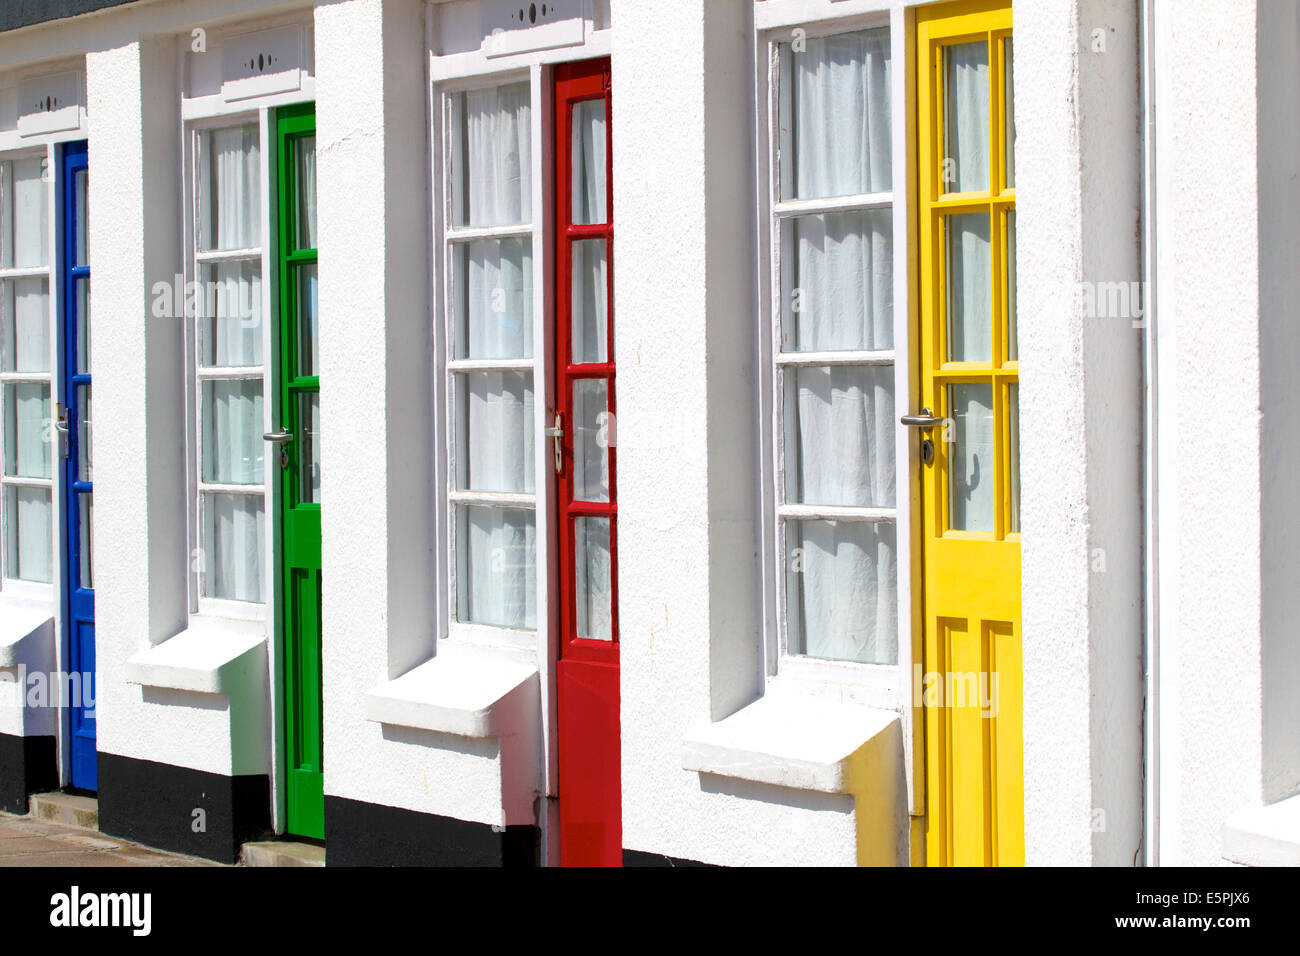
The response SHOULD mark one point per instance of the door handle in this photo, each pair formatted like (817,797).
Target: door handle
(61,426)
(557,434)
(925,420)
(281,437)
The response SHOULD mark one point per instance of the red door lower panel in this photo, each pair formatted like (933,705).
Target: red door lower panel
(591,801)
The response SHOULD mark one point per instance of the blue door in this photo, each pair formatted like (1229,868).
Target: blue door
(74,424)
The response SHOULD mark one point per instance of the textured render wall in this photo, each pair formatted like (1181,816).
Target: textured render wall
(1077,177)
(375,354)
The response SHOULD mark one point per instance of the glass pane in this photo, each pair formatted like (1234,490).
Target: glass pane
(593,575)
(839,95)
(838,282)
(304,158)
(840,438)
(587,152)
(309,447)
(1009,112)
(82,240)
(970,288)
(966,117)
(496,578)
(28,430)
(83,326)
(308,321)
(842,590)
(494,301)
(1013,438)
(491,156)
(591,428)
(1013,344)
(590,302)
(970,458)
(232,432)
(234,538)
(83,433)
(494,441)
(24,212)
(25,324)
(28,534)
(85,526)
(230,189)
(232,306)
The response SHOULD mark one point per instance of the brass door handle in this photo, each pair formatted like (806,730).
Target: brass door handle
(557,434)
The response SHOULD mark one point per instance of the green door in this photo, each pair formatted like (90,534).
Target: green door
(299,454)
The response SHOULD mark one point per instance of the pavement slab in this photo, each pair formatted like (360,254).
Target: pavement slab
(28,842)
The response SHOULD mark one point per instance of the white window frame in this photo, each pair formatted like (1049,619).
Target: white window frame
(878,685)
(53,484)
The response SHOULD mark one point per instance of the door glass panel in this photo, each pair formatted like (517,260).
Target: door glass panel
(235,537)
(587,152)
(86,534)
(496,569)
(83,433)
(28,430)
(590,440)
(966,117)
(840,449)
(970,288)
(230,189)
(1013,344)
(24,212)
(308,322)
(1013,463)
(309,447)
(495,432)
(83,326)
(82,227)
(841,590)
(970,458)
(592,576)
(838,283)
(25,328)
(304,160)
(28,529)
(232,432)
(590,302)
(231,332)
(1009,113)
(491,156)
(494,302)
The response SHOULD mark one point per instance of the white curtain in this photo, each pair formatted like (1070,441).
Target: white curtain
(971,453)
(496,305)
(26,320)
(27,454)
(492,163)
(843,274)
(590,301)
(24,211)
(966,116)
(309,320)
(498,407)
(30,531)
(841,130)
(844,454)
(842,600)
(588,158)
(306,151)
(238,538)
(233,295)
(499,585)
(230,189)
(592,567)
(970,288)
(232,432)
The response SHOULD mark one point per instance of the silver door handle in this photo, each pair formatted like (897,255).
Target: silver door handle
(61,426)
(557,434)
(281,437)
(924,420)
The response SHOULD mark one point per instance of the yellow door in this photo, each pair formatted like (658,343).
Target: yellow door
(971,687)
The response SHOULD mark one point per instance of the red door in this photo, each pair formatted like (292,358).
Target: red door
(587,671)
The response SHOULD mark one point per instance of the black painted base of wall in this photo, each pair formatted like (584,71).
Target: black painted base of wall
(641,858)
(27,765)
(368,834)
(156,803)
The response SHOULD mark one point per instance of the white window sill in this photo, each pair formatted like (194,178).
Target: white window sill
(211,656)
(23,621)
(1264,836)
(803,742)
(465,691)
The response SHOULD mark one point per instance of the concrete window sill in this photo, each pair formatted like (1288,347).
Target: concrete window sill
(211,656)
(464,691)
(1264,836)
(23,624)
(805,743)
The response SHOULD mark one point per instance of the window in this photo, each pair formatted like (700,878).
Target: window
(26,482)
(229,363)
(833,370)
(489,311)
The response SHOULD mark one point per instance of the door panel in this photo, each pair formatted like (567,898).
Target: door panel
(587,674)
(969,372)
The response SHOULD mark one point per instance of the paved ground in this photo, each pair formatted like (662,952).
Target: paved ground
(28,842)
